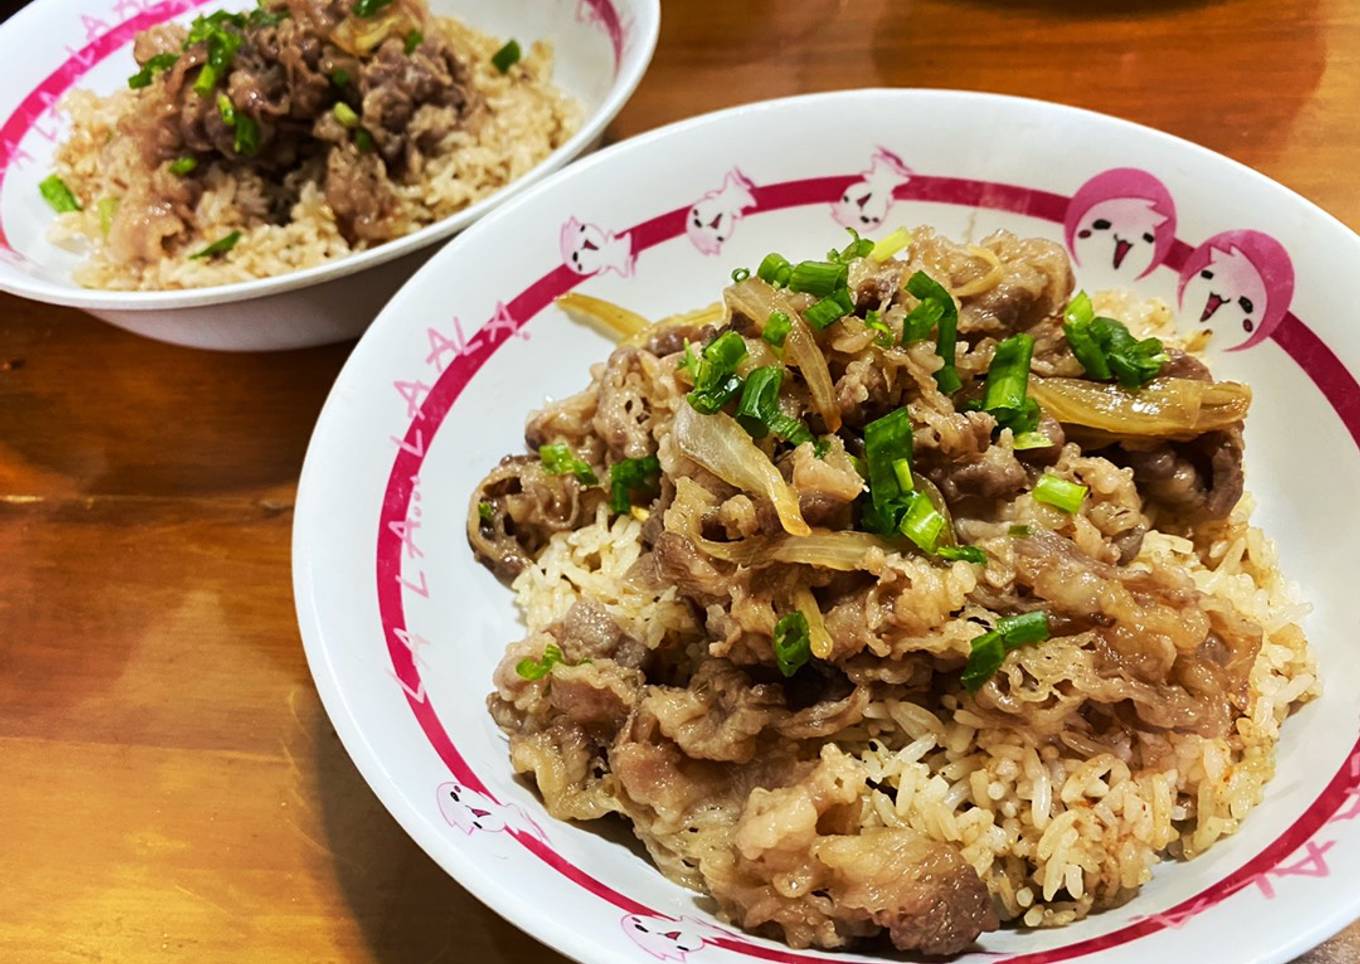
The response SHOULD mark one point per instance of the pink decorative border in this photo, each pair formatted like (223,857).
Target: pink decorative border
(1321,364)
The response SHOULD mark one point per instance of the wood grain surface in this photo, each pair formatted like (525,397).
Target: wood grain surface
(169,786)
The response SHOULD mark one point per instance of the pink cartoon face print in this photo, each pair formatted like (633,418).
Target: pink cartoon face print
(865,204)
(588,249)
(714,217)
(1238,281)
(666,940)
(1123,220)
(471,811)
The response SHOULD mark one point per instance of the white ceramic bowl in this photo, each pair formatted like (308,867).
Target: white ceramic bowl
(602,48)
(402,627)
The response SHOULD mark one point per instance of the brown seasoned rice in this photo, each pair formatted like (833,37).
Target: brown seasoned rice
(526,119)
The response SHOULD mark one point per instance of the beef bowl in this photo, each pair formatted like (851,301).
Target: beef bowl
(264,177)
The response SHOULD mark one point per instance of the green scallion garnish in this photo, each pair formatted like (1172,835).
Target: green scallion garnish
(821,279)
(183,166)
(345,115)
(413,40)
(363,140)
(989,650)
(829,310)
(340,78)
(775,270)
(792,643)
(715,379)
(1031,440)
(857,248)
(559,459)
(220,246)
(760,399)
(777,328)
(740,274)
(370,8)
(486,511)
(966,553)
(943,315)
(506,57)
(246,139)
(226,110)
(873,320)
(1107,349)
(629,476)
(153,66)
(890,245)
(922,523)
(887,442)
(1056,491)
(58,196)
(1006,396)
(535,669)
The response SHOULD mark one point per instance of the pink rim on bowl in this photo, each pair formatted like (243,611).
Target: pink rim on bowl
(1299,851)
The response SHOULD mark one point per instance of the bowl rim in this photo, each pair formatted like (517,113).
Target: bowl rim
(509,900)
(631,68)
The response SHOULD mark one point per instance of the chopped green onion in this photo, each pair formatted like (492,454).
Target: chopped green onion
(967,553)
(794,432)
(182,166)
(220,246)
(108,208)
(1106,348)
(857,248)
(828,310)
(1020,532)
(631,475)
(1023,629)
(486,511)
(1008,377)
(715,378)
(262,16)
(873,320)
(792,643)
(345,114)
(370,8)
(246,139)
(58,196)
(777,328)
(340,78)
(535,669)
(922,523)
(988,653)
(760,399)
(902,470)
(363,140)
(206,80)
(413,40)
(740,274)
(775,270)
(204,27)
(1056,491)
(226,110)
(890,245)
(150,69)
(887,441)
(506,57)
(821,279)
(989,650)
(559,459)
(945,317)
(1031,440)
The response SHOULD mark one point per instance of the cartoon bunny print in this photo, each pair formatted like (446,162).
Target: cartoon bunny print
(1123,220)
(1238,281)
(864,205)
(713,218)
(589,249)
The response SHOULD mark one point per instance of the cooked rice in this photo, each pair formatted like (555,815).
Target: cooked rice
(1053,833)
(526,119)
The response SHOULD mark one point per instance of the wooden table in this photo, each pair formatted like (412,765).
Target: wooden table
(169,786)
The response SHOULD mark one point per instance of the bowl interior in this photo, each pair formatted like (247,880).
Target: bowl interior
(54,46)
(403,628)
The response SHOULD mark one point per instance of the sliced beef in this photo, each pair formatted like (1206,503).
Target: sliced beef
(518,506)
(1202,478)
(719,715)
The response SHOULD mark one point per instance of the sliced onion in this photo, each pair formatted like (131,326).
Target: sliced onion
(722,446)
(1178,408)
(806,603)
(757,300)
(613,321)
(843,551)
